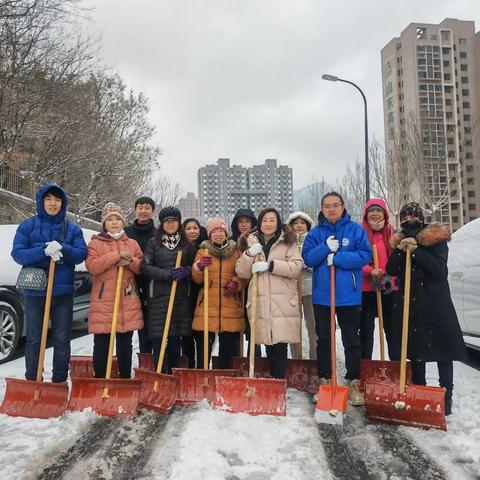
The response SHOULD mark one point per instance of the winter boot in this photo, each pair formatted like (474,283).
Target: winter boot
(356,397)
(323,381)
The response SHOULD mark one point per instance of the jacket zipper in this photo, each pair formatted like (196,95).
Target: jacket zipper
(220,297)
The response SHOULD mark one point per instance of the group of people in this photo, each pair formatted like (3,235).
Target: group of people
(292,261)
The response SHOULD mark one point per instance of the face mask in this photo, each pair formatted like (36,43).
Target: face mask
(377,226)
(411,227)
(117,235)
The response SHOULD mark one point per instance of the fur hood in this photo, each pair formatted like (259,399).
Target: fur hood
(214,250)
(304,216)
(427,237)
(287,236)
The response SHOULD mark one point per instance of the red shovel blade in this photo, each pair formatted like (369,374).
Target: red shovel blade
(82,366)
(145,361)
(122,397)
(386,371)
(332,399)
(262,366)
(158,392)
(302,375)
(26,398)
(197,384)
(419,406)
(255,396)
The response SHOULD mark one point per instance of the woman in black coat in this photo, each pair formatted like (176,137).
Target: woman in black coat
(434,333)
(159,266)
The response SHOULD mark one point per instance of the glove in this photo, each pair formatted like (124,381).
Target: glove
(330,259)
(409,243)
(52,247)
(123,262)
(333,244)
(180,273)
(255,249)
(387,283)
(231,288)
(205,261)
(260,267)
(376,284)
(57,256)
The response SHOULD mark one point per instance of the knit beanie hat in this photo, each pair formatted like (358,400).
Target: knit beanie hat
(172,213)
(110,209)
(214,223)
(414,209)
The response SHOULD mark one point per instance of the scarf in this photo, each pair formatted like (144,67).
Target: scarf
(268,245)
(171,241)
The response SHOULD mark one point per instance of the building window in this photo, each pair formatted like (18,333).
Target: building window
(466,118)
(461,41)
(471,194)
(466,92)
(466,104)
(447,76)
(455,219)
(464,67)
(464,79)
(463,54)
(472,206)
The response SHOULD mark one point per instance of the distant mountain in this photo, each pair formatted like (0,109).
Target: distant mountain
(310,195)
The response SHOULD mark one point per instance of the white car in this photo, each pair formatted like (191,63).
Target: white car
(12,306)
(464,279)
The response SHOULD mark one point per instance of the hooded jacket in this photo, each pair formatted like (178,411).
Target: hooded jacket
(354,252)
(381,239)
(34,233)
(242,212)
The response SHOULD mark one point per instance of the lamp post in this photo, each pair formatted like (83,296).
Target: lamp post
(333,78)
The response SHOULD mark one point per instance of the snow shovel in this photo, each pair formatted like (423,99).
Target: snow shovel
(411,405)
(197,384)
(381,370)
(82,366)
(255,396)
(106,396)
(37,399)
(159,390)
(332,399)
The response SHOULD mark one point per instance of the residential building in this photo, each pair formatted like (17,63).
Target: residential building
(189,206)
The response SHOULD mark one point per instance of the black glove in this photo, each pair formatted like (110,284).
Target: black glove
(387,283)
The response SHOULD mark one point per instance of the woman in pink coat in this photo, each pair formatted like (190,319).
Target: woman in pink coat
(106,252)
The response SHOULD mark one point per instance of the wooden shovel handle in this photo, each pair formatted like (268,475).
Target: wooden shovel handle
(46,316)
(406,313)
(379,308)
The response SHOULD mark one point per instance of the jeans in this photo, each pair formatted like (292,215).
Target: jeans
(172,353)
(123,348)
(61,315)
(277,358)
(349,321)
(445,373)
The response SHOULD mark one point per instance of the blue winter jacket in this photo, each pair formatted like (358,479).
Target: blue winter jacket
(353,254)
(34,233)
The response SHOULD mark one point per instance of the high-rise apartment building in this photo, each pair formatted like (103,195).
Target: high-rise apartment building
(189,206)
(431,98)
(223,189)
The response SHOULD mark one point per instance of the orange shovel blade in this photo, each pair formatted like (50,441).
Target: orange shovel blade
(163,398)
(419,406)
(382,371)
(121,400)
(332,399)
(82,366)
(197,384)
(302,375)
(255,396)
(26,398)
(262,366)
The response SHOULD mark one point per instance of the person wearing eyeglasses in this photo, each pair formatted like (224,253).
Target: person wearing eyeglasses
(338,241)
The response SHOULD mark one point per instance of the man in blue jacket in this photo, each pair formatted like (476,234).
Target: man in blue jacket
(338,241)
(47,235)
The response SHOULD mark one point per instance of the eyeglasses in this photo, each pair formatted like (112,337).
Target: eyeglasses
(334,206)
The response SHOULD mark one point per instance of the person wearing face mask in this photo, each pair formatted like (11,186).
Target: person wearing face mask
(159,267)
(434,333)
(301,224)
(106,252)
(278,267)
(379,231)
(225,309)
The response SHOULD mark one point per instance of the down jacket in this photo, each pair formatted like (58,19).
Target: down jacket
(32,234)
(157,264)
(102,259)
(278,313)
(225,314)
(434,333)
(353,254)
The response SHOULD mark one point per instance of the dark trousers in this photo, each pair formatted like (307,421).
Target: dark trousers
(123,348)
(393,332)
(172,353)
(348,319)
(445,374)
(277,358)
(144,343)
(61,314)
(228,347)
(188,349)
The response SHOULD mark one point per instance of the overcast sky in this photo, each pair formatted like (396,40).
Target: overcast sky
(242,78)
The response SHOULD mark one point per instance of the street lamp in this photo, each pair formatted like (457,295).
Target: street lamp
(333,78)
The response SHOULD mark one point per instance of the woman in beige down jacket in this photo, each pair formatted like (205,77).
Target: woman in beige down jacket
(279,265)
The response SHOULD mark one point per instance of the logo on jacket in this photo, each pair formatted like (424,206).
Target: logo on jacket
(345,242)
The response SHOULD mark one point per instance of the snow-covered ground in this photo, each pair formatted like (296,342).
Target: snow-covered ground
(213,445)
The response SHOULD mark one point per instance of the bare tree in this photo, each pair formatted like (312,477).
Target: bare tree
(311,197)
(164,191)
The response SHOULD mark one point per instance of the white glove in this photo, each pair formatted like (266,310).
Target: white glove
(56,256)
(330,259)
(52,247)
(332,243)
(259,267)
(255,249)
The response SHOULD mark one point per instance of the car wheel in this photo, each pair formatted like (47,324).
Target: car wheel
(10,331)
